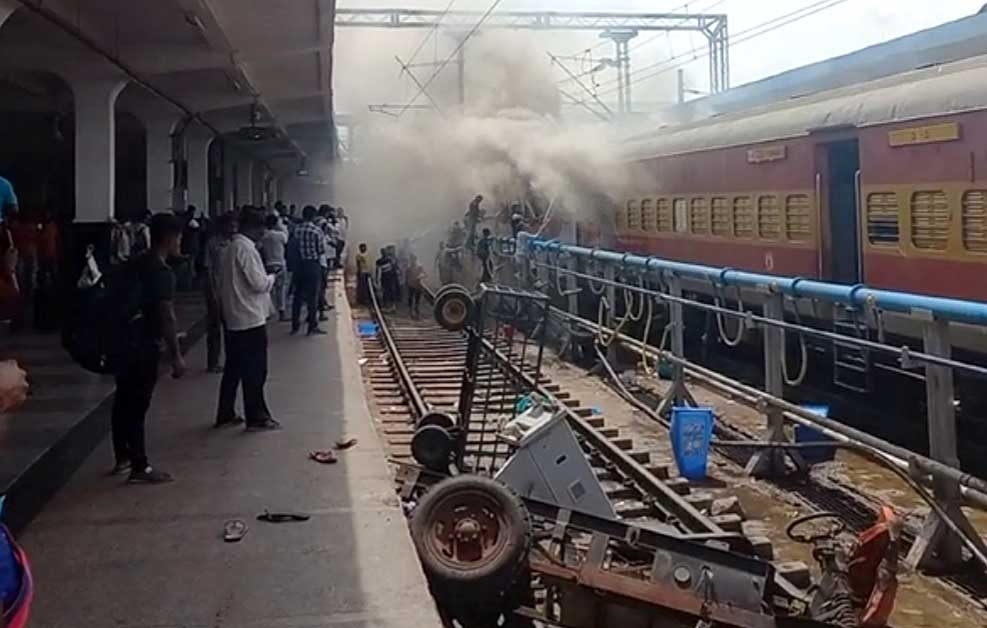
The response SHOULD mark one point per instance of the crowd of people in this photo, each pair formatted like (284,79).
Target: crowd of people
(31,244)
(251,264)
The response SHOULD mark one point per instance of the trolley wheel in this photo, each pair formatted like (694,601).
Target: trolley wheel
(453,309)
(473,535)
(447,287)
(441,419)
(431,446)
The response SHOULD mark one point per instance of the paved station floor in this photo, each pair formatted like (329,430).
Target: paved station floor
(66,414)
(107,554)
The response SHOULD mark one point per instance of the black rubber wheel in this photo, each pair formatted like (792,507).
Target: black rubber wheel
(431,447)
(473,535)
(448,287)
(453,309)
(442,419)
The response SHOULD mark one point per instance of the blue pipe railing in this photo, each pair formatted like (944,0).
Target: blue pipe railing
(858,295)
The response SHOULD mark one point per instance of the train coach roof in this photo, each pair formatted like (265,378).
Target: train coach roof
(940,90)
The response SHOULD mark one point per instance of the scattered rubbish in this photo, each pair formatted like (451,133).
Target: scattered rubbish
(346,443)
(362,361)
(282,517)
(367,330)
(323,457)
(234,530)
(596,409)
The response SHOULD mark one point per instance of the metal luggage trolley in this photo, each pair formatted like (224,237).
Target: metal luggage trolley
(503,362)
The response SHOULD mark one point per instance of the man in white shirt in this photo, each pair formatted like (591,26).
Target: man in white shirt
(244,296)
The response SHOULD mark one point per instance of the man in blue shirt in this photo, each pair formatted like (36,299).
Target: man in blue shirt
(8,200)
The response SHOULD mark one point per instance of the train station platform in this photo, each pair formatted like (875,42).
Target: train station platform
(67,413)
(106,553)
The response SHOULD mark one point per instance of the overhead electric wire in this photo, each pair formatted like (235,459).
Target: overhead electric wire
(638,44)
(431,31)
(445,62)
(761,29)
(684,5)
(741,36)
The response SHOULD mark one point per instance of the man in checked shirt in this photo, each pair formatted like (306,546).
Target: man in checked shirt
(308,275)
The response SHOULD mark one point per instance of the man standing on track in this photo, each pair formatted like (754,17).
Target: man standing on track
(246,301)
(311,247)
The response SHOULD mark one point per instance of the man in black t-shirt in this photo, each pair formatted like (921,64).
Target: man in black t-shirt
(135,383)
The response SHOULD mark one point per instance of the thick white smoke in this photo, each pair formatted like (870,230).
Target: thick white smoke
(421,171)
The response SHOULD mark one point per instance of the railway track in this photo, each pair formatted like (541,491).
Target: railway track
(415,364)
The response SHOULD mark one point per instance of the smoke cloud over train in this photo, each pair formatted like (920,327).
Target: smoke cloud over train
(421,170)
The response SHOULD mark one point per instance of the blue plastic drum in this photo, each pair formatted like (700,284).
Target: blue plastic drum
(692,432)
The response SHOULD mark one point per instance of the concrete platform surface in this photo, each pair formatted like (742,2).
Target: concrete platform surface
(44,441)
(107,554)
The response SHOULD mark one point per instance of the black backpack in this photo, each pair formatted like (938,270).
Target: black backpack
(104,324)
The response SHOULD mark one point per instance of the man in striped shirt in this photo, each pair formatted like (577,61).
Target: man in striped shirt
(311,244)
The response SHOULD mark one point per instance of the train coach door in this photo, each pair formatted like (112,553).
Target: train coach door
(843,169)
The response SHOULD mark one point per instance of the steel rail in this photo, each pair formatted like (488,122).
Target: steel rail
(417,401)
(974,489)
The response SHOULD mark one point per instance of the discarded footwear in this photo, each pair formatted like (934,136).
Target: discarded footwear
(150,475)
(323,457)
(234,531)
(267,425)
(228,421)
(346,443)
(282,517)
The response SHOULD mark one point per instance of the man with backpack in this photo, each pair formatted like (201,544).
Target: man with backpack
(136,380)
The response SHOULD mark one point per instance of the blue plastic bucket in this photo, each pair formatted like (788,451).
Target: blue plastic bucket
(367,330)
(692,431)
(806,434)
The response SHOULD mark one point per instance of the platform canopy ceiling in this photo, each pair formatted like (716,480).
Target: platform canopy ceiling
(228,61)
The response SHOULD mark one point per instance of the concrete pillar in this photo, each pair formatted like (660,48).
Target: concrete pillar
(244,181)
(198,141)
(229,178)
(95,148)
(257,184)
(160,162)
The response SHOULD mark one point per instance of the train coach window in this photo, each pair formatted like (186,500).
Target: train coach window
(633,221)
(665,221)
(768,217)
(722,220)
(743,217)
(930,220)
(882,218)
(680,210)
(798,218)
(699,216)
(975,221)
(648,215)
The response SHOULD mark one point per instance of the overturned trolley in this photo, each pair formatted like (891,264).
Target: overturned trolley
(497,553)
(516,530)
